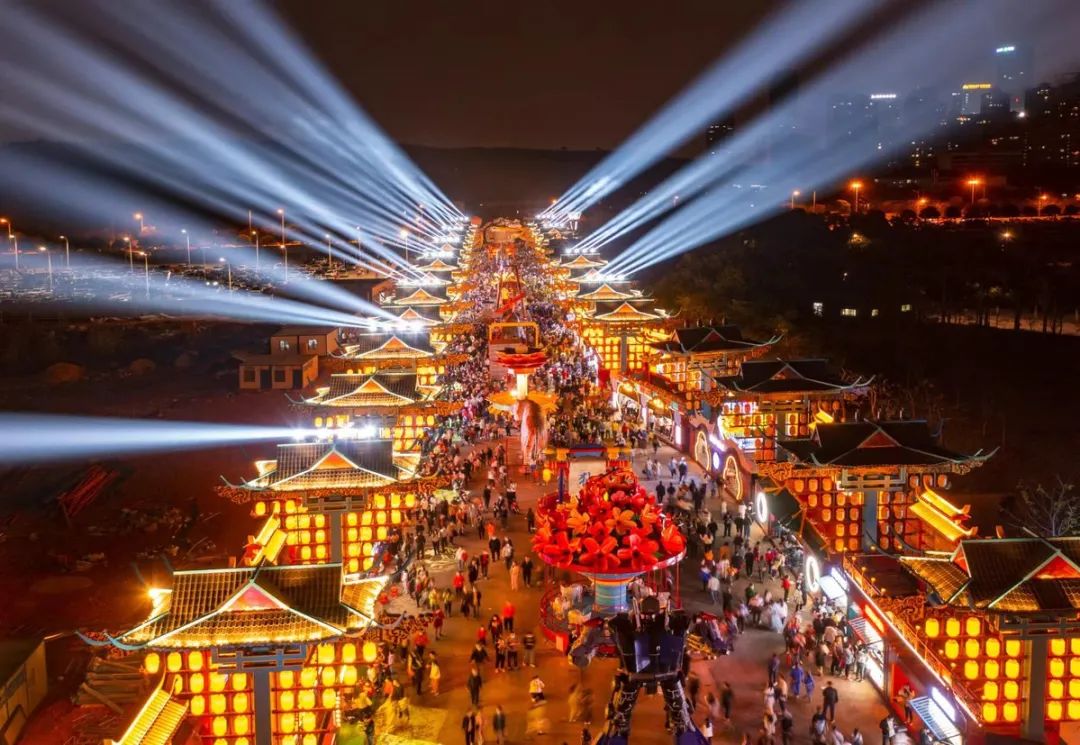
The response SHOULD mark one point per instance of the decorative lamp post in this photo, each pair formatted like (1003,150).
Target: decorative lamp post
(284,246)
(256,234)
(228,269)
(855,187)
(187,240)
(67,251)
(48,258)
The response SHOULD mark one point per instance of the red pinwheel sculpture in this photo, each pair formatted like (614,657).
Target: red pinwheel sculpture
(611,532)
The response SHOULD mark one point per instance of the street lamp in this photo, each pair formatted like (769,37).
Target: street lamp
(13,238)
(284,248)
(855,186)
(187,239)
(329,252)
(1042,202)
(228,268)
(973,182)
(131,256)
(67,252)
(1006,235)
(146,271)
(256,234)
(139,216)
(793,195)
(48,257)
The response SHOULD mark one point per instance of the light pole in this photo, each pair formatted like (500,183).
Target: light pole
(228,268)
(793,195)
(329,252)
(67,251)
(284,248)
(139,216)
(1042,202)
(13,238)
(973,182)
(146,271)
(256,234)
(131,256)
(187,239)
(48,258)
(405,235)
(855,186)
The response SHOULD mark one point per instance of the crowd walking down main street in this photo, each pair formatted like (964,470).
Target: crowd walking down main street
(782,669)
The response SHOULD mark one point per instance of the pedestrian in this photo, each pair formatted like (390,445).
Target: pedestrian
(515,576)
(434,674)
(474,683)
(526,570)
(498,725)
(856,737)
(714,588)
(830,696)
(905,695)
(508,616)
(500,653)
(727,700)
(437,619)
(817,728)
(468,726)
(888,729)
(536,689)
(774,668)
(808,682)
(707,730)
(586,735)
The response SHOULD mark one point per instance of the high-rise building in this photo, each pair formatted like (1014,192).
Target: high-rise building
(1013,69)
(717,133)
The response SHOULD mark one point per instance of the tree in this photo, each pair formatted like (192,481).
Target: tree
(1051,210)
(1046,512)
(1072,210)
(952,211)
(930,213)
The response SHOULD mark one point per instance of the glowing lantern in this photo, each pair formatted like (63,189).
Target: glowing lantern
(152,663)
(325,654)
(410,501)
(1074,667)
(1074,645)
(307,721)
(380,501)
(260,509)
(243,741)
(1012,647)
(1074,688)
(1053,710)
(381,533)
(973,626)
(287,723)
(348,675)
(1074,710)
(933,628)
(329,698)
(220,726)
(1012,669)
(1010,711)
(952,649)
(972,648)
(993,647)
(241,725)
(1056,689)
(1057,647)
(350,518)
(1012,690)
(306,699)
(320,552)
(320,536)
(328,676)
(395,501)
(952,627)
(371,651)
(240,702)
(196,683)
(305,522)
(992,669)
(310,740)
(308,676)
(218,704)
(218,681)
(239,681)
(971,669)
(990,691)
(178,684)
(197,704)
(348,653)
(395,517)
(990,712)
(354,566)
(174,662)
(287,701)
(1057,667)
(285,679)
(305,553)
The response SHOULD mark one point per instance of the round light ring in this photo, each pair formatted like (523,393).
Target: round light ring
(761,507)
(812,574)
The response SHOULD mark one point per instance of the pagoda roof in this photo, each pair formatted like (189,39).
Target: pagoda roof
(606,293)
(381,388)
(421,316)
(330,463)
(624,312)
(389,346)
(1011,575)
(419,296)
(247,606)
(870,443)
(702,339)
(438,266)
(582,262)
(786,376)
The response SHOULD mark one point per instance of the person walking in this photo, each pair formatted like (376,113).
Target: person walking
(536,689)
(774,668)
(434,675)
(888,729)
(468,727)
(526,570)
(727,700)
(508,616)
(515,577)
(829,696)
(498,725)
(474,682)
(707,730)
(714,588)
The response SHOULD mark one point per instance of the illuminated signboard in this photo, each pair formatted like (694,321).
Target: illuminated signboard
(977,86)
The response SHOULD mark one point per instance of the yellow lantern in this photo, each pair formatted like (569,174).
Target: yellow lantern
(197,705)
(241,725)
(410,501)
(348,653)
(395,501)
(350,519)
(152,663)
(220,726)
(286,679)
(328,676)
(990,691)
(305,553)
(174,662)
(1010,711)
(311,740)
(1057,667)
(287,701)
(260,509)
(348,675)
(196,683)
(933,628)
(952,649)
(1012,647)
(992,669)
(380,501)
(178,684)
(287,723)
(218,681)
(306,699)
(993,647)
(240,702)
(307,721)
(990,712)
(1012,690)
(1074,688)
(329,698)
(308,676)
(1074,667)
(1056,689)
(371,651)
(354,566)
(1053,710)
(239,681)
(1074,710)
(1074,645)
(972,648)
(952,627)
(218,704)
(195,660)
(320,552)
(1012,669)
(1057,647)
(971,669)
(324,653)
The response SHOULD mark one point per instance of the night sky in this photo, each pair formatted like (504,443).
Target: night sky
(579,74)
